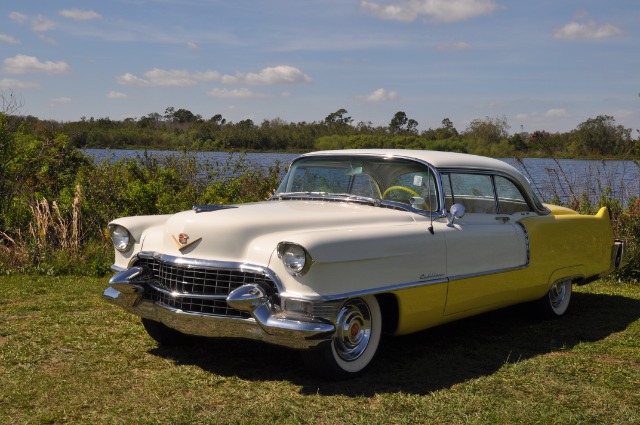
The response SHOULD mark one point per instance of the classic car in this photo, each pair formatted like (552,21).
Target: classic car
(354,244)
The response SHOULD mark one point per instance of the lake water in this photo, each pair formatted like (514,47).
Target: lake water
(550,177)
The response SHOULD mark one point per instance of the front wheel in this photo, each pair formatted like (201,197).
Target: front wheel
(556,302)
(357,337)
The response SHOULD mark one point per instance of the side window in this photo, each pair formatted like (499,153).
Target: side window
(474,191)
(510,199)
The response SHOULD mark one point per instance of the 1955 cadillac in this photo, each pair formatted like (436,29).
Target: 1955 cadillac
(354,244)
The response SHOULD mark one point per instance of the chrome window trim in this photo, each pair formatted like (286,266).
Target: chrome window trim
(437,173)
(494,173)
(441,213)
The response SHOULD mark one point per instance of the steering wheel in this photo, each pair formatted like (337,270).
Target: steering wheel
(406,189)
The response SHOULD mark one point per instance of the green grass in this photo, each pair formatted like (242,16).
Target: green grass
(66,356)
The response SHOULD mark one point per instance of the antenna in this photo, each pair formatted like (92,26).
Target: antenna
(430,206)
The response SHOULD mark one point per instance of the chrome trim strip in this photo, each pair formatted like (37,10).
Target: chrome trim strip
(211,264)
(527,242)
(441,213)
(181,295)
(492,173)
(488,272)
(373,291)
(436,172)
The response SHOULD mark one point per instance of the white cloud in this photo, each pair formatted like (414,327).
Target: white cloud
(207,76)
(282,74)
(380,95)
(455,46)
(167,78)
(117,95)
(38,23)
(42,24)
(80,15)
(242,93)
(8,39)
(556,113)
(548,114)
(170,78)
(18,17)
(436,10)
(11,84)
(193,45)
(22,64)
(588,31)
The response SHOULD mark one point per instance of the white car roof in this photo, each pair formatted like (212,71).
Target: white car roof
(436,158)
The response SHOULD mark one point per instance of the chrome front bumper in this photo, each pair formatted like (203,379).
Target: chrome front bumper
(264,325)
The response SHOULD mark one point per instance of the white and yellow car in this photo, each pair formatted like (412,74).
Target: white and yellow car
(353,244)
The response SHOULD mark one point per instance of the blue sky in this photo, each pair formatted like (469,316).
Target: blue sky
(544,64)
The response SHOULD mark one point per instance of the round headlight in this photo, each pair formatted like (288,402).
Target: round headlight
(120,237)
(296,259)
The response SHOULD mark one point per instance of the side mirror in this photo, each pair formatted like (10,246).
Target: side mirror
(456,211)
(417,202)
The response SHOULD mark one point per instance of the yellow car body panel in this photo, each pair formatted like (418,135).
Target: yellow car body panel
(563,245)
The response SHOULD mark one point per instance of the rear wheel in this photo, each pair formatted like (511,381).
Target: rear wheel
(556,302)
(164,335)
(357,337)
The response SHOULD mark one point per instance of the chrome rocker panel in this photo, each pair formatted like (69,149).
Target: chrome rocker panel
(264,325)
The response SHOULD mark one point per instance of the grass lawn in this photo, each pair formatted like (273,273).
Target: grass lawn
(67,356)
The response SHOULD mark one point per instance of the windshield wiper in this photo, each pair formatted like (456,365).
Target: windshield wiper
(349,197)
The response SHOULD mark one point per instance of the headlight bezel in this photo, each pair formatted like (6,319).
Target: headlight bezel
(120,237)
(295,258)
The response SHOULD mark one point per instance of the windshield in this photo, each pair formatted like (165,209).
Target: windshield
(378,178)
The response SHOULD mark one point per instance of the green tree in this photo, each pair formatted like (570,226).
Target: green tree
(400,123)
(488,137)
(602,136)
(338,118)
(185,116)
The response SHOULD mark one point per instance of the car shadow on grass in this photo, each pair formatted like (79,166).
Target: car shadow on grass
(430,360)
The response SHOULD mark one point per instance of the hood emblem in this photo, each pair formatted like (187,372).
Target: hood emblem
(182,241)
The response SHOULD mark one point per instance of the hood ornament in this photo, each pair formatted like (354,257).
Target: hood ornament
(182,241)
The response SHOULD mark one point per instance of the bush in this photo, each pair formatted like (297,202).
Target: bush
(63,231)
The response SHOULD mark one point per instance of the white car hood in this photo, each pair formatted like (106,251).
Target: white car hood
(226,234)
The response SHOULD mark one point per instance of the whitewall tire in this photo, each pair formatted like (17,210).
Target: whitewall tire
(556,302)
(357,337)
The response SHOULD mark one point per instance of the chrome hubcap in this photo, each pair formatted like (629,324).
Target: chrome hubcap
(353,330)
(557,293)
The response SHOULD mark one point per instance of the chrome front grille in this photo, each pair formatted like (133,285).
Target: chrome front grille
(196,288)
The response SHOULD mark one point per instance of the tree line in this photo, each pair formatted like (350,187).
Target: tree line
(180,129)
(55,201)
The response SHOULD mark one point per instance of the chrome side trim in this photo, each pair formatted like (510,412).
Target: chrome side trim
(373,291)
(488,272)
(527,242)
